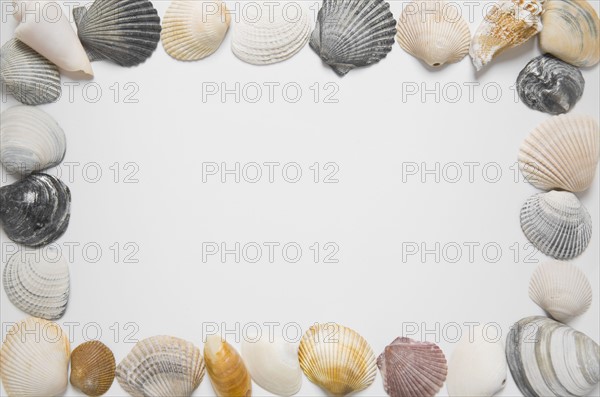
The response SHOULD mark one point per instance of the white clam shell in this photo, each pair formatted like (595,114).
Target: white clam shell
(30,139)
(561,289)
(34,360)
(562,153)
(273,365)
(193,30)
(434,31)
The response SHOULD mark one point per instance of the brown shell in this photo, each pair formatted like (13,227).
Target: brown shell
(226,370)
(92,368)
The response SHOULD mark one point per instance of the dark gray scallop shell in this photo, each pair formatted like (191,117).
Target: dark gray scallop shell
(124,31)
(35,211)
(353,33)
(550,85)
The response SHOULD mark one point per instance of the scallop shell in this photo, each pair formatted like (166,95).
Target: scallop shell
(433,32)
(193,30)
(38,284)
(562,153)
(35,359)
(28,76)
(123,31)
(161,366)
(92,368)
(337,359)
(547,358)
(561,289)
(507,24)
(51,36)
(226,370)
(571,32)
(273,365)
(35,211)
(351,34)
(411,368)
(557,224)
(30,140)
(267,34)
(550,85)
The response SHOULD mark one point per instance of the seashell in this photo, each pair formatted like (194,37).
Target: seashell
(193,30)
(571,32)
(273,365)
(28,76)
(30,140)
(561,289)
(92,368)
(337,359)
(35,211)
(36,285)
(123,31)
(351,34)
(267,35)
(550,85)
(433,32)
(51,36)
(557,224)
(562,153)
(35,359)
(226,370)
(411,368)
(547,358)
(477,367)
(161,366)
(507,24)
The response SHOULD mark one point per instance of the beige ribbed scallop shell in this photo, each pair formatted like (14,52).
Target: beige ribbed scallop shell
(226,370)
(92,368)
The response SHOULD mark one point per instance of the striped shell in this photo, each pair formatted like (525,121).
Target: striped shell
(226,370)
(92,368)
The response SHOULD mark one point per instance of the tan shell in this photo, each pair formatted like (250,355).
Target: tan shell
(226,370)
(337,359)
(92,368)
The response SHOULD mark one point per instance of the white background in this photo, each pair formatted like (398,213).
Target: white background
(370,133)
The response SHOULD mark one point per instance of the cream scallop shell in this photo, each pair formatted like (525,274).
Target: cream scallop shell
(34,360)
(193,30)
(434,31)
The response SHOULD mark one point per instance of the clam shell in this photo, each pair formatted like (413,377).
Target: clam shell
(571,32)
(35,359)
(557,224)
(30,140)
(53,37)
(161,366)
(550,85)
(226,370)
(92,368)
(193,30)
(507,24)
(411,368)
(125,32)
(433,32)
(36,285)
(351,34)
(273,365)
(562,153)
(267,35)
(547,358)
(561,289)
(35,211)
(28,76)
(337,359)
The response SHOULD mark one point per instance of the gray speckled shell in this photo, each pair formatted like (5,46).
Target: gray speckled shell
(550,85)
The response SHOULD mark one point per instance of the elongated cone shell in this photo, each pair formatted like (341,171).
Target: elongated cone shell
(226,370)
(92,368)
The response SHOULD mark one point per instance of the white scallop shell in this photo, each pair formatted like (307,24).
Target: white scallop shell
(561,289)
(30,139)
(434,31)
(267,34)
(557,224)
(34,360)
(273,365)
(193,30)
(562,153)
